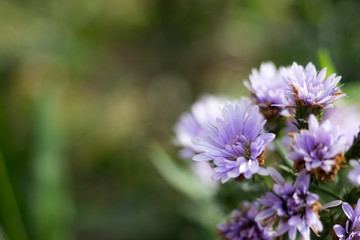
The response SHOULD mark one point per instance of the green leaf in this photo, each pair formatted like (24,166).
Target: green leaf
(202,207)
(51,208)
(354,151)
(178,177)
(282,152)
(12,219)
(325,61)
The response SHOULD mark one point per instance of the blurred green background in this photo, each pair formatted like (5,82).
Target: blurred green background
(88,87)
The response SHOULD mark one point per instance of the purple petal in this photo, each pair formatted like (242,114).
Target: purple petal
(332,204)
(339,230)
(292,233)
(302,181)
(264,215)
(202,157)
(275,175)
(349,212)
(253,166)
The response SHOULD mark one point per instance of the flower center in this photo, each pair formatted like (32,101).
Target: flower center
(242,142)
(294,204)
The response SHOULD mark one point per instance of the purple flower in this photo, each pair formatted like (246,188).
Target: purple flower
(348,119)
(235,142)
(293,205)
(203,111)
(351,229)
(319,150)
(354,175)
(311,89)
(242,225)
(267,88)
(290,129)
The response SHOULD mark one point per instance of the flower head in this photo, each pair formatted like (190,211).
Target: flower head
(205,110)
(290,128)
(311,89)
(292,205)
(350,230)
(319,150)
(354,175)
(235,142)
(242,225)
(348,119)
(267,88)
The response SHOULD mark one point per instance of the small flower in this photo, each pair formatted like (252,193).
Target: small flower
(354,175)
(267,88)
(311,89)
(242,225)
(350,230)
(235,142)
(319,150)
(203,111)
(292,205)
(290,129)
(347,118)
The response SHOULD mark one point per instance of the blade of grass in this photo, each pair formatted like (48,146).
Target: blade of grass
(204,209)
(12,219)
(282,152)
(50,206)
(180,178)
(325,61)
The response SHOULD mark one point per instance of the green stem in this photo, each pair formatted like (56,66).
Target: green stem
(10,212)
(282,154)
(327,191)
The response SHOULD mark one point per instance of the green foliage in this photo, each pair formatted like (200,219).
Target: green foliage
(203,209)
(354,151)
(50,206)
(180,178)
(9,210)
(302,114)
(325,61)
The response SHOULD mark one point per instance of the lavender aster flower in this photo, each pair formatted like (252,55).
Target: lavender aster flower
(354,175)
(205,110)
(290,129)
(235,142)
(311,89)
(293,205)
(267,88)
(319,150)
(347,118)
(350,230)
(242,225)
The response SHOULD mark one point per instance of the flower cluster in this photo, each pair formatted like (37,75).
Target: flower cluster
(292,205)
(294,106)
(242,225)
